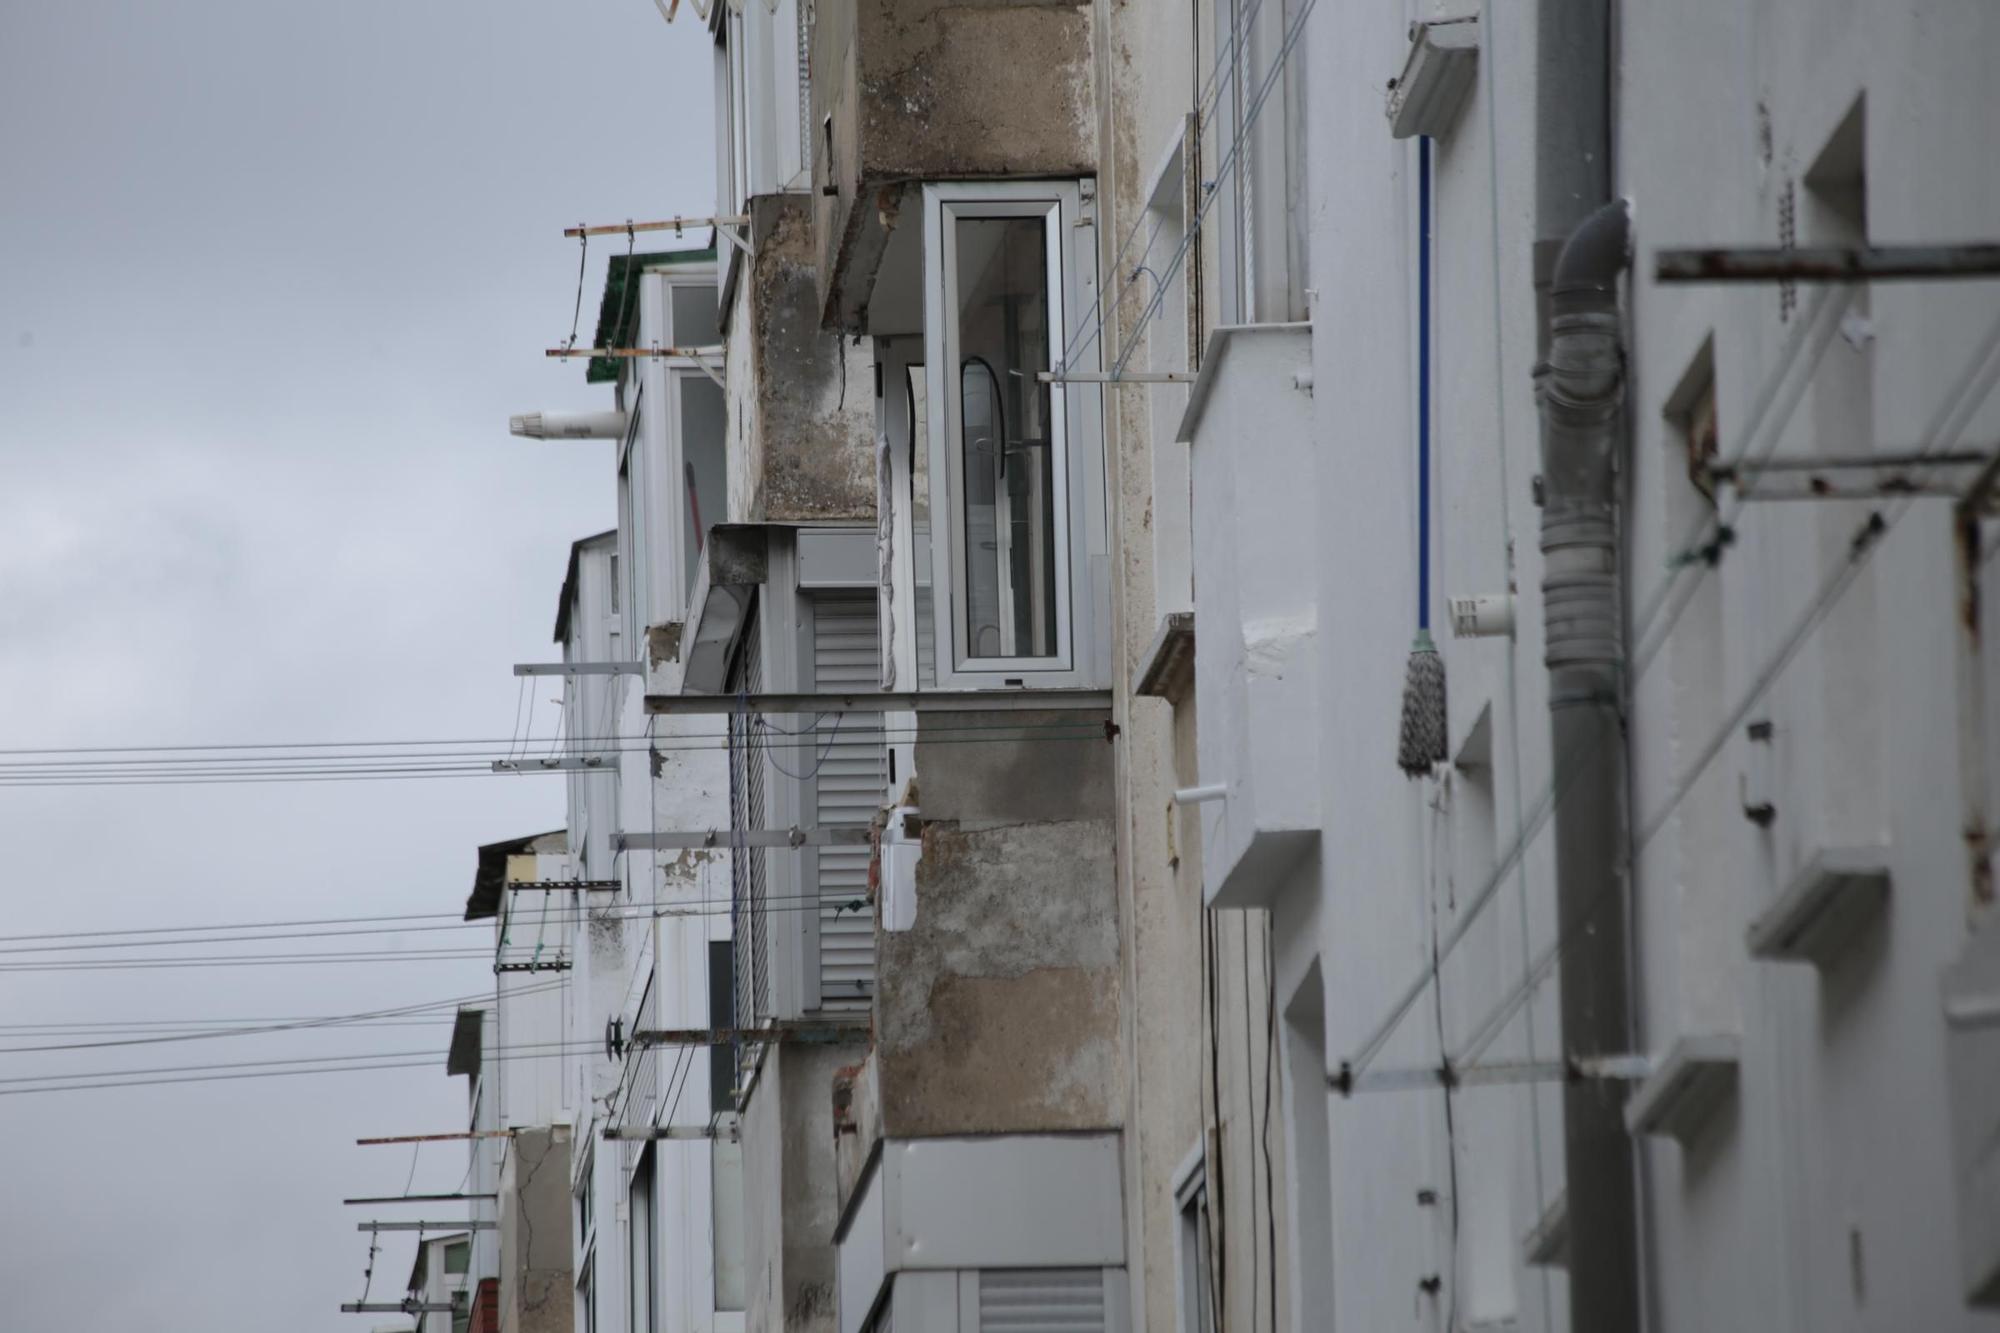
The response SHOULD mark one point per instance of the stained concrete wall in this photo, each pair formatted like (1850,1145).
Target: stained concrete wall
(537,1279)
(998,1010)
(810,424)
(936,90)
(790,1196)
(1185,1071)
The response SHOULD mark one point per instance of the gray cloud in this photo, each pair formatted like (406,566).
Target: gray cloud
(276,275)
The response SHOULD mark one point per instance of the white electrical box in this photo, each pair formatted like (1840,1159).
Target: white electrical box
(902,846)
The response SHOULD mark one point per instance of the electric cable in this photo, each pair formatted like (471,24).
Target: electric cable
(1967,393)
(289,1025)
(1545,804)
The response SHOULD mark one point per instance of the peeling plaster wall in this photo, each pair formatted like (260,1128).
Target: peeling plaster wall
(790,1196)
(801,433)
(815,390)
(919,90)
(998,1011)
(537,1280)
(1147,62)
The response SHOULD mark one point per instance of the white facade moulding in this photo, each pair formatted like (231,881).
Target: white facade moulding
(1828,906)
(1690,1086)
(1255,659)
(1437,75)
(1046,1201)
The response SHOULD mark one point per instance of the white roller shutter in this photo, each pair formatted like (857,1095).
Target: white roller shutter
(1041,1300)
(847,788)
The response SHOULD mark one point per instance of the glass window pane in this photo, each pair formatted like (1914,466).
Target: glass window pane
(920,524)
(704,466)
(695,316)
(1006,446)
(457,1256)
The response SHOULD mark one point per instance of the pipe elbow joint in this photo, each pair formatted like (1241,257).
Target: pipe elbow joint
(1592,258)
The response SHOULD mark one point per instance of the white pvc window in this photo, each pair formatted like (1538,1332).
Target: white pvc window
(1015,466)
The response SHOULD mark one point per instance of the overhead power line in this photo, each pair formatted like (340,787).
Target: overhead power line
(98,1082)
(565,915)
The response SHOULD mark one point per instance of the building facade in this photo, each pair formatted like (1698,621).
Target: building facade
(1230,694)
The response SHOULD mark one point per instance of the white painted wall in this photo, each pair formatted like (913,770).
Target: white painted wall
(1824,1197)
(668,775)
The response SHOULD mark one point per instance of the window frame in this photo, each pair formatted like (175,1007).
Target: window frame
(1194,1247)
(1076,434)
(643,1244)
(1263,242)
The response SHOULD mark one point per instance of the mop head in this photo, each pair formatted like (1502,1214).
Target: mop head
(1423,741)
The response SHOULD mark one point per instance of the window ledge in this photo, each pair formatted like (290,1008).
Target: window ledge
(1167,669)
(1825,909)
(1687,1088)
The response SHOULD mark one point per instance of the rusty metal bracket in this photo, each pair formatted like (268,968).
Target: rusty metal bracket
(1954,475)
(1826,264)
(1626,1068)
(789,1034)
(852,835)
(676,225)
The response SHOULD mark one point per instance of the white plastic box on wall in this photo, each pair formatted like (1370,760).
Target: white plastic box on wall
(1248,426)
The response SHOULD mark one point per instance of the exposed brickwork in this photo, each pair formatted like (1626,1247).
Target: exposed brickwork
(486,1307)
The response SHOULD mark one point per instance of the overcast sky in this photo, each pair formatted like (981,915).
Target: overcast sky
(272,277)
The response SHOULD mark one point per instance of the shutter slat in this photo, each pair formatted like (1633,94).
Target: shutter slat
(1041,1300)
(848,788)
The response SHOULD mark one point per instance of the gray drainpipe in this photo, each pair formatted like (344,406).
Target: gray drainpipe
(1581,387)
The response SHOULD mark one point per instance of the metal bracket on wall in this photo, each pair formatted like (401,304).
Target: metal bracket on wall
(567,764)
(701,358)
(564,885)
(558,965)
(455,1135)
(1826,264)
(849,836)
(1117,376)
(427,1226)
(1627,1068)
(887,701)
(579,668)
(1953,475)
(800,1034)
(653,1133)
(676,225)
